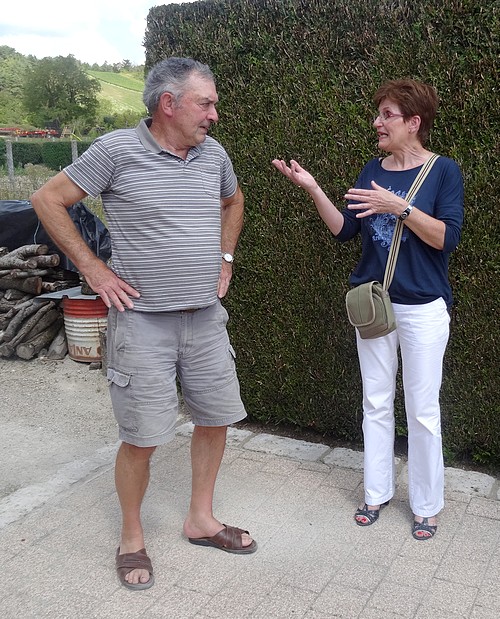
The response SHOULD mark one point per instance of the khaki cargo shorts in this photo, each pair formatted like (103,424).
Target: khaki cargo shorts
(149,352)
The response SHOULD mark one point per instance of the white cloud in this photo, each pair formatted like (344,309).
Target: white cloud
(93,31)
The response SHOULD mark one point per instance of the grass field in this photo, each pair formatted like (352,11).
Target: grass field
(124,80)
(122,89)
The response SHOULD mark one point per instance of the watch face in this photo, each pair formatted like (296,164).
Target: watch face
(406,212)
(227,257)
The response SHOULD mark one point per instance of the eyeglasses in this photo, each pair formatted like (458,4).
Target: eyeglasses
(387,115)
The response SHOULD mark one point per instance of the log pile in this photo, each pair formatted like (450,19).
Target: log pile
(30,325)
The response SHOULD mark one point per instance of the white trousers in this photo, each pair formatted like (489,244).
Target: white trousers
(422,334)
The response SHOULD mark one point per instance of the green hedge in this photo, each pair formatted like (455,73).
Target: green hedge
(296,79)
(55,155)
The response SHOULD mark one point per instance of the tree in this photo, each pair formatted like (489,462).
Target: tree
(58,91)
(13,70)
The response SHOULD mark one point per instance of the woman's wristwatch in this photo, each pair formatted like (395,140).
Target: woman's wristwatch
(406,212)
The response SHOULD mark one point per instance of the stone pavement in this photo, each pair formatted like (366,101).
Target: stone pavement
(296,498)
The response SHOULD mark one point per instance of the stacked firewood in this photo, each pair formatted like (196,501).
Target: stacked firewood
(30,325)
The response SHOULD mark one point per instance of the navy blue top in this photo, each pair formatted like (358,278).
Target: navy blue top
(421,274)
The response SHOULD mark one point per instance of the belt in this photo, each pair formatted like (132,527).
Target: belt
(190,310)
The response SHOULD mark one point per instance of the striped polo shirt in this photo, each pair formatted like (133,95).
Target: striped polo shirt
(163,214)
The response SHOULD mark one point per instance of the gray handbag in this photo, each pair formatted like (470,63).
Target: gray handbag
(369,306)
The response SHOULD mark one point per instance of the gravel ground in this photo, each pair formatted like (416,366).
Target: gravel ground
(52,413)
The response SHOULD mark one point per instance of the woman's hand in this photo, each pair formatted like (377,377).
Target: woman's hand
(376,200)
(328,213)
(296,174)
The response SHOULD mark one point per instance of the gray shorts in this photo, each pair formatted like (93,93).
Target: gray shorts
(148,352)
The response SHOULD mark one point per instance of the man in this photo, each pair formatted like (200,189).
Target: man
(174,211)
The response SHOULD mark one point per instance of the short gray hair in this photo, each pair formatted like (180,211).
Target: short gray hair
(171,75)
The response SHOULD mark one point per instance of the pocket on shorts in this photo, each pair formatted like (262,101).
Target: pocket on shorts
(222,315)
(117,333)
(118,378)
(119,390)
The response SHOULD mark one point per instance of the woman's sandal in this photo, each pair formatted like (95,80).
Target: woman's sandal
(368,516)
(423,530)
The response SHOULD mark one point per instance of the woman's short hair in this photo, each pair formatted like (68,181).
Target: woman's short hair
(171,75)
(414,99)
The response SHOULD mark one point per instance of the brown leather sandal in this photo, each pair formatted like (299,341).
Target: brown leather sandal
(228,539)
(129,561)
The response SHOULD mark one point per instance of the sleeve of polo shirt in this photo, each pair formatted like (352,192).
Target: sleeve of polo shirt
(93,170)
(228,180)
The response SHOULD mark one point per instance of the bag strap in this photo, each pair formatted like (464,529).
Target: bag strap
(390,267)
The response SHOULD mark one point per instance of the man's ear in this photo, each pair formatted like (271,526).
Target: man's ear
(167,103)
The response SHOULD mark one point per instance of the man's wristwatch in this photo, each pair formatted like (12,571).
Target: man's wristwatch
(406,212)
(228,257)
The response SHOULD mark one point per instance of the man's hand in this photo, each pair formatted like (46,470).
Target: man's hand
(225,276)
(111,289)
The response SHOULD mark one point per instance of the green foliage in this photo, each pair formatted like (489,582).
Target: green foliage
(25,152)
(13,69)
(296,79)
(53,154)
(119,96)
(58,91)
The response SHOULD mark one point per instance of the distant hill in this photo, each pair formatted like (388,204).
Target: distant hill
(123,90)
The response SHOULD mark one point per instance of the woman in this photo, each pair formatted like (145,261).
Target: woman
(420,293)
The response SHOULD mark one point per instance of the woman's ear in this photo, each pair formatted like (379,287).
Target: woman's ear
(414,124)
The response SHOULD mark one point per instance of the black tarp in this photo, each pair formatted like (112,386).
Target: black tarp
(19,225)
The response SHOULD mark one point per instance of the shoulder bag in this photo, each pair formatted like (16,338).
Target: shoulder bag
(369,306)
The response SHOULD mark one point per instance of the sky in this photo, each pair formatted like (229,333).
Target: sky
(93,31)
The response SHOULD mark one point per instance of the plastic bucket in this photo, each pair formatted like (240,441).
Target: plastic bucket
(83,319)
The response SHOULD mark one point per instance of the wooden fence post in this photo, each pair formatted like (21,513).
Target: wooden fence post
(10,160)
(74,150)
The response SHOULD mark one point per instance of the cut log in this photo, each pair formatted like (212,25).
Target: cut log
(28,330)
(12,307)
(59,346)
(23,257)
(8,262)
(52,260)
(86,289)
(55,286)
(12,294)
(23,274)
(8,316)
(23,314)
(33,285)
(42,322)
(6,306)
(66,275)
(27,350)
